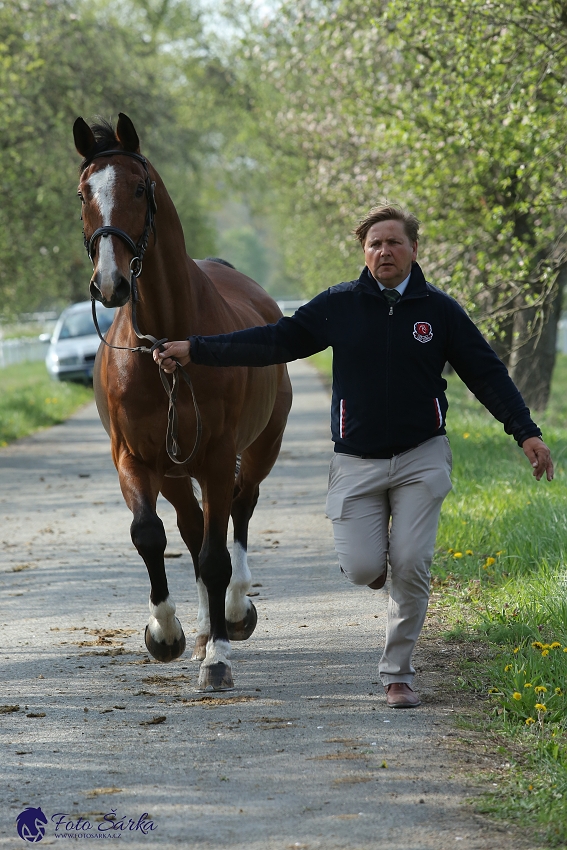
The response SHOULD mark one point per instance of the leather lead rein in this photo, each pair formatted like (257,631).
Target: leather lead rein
(139,249)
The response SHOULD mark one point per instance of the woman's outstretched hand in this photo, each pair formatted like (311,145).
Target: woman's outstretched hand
(179,349)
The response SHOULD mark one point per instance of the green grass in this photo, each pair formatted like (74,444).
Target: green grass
(500,577)
(30,400)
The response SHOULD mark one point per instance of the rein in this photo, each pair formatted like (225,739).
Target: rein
(138,250)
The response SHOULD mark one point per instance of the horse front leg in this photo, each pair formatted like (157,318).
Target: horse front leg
(179,491)
(164,636)
(215,572)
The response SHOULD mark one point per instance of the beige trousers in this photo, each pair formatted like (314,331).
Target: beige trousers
(364,495)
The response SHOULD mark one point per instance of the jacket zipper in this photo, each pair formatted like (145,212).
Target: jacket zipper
(388,359)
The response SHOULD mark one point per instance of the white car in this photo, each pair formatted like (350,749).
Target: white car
(75,342)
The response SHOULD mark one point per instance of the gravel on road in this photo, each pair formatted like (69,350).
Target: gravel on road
(303,753)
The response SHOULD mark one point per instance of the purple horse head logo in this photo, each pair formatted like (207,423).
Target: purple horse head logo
(31,824)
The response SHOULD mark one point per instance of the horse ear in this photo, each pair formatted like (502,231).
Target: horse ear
(126,134)
(84,137)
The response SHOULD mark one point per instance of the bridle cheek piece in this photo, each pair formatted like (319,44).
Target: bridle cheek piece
(138,249)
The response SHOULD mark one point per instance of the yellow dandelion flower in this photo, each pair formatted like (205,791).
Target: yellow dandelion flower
(450,551)
(546,646)
(545,652)
(507,667)
(489,562)
(559,692)
(493,690)
(528,685)
(469,552)
(501,551)
(565,649)
(530,787)
(517,695)
(466,435)
(458,555)
(539,706)
(539,689)
(555,645)
(516,649)
(537,645)
(529,722)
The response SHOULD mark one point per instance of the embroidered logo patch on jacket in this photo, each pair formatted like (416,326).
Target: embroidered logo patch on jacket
(422,332)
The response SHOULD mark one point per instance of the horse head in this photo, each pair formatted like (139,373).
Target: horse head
(117,196)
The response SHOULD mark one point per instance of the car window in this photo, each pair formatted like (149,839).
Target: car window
(81,324)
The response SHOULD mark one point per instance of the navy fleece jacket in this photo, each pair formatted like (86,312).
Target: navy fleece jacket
(388,388)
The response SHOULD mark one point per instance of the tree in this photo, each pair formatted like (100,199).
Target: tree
(58,60)
(456,110)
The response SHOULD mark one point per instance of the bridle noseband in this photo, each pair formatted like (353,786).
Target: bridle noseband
(138,250)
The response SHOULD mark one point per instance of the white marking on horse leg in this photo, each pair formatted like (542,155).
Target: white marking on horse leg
(215,672)
(237,603)
(102,186)
(203,619)
(163,624)
(217,651)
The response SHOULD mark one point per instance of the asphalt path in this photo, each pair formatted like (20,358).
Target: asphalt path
(303,753)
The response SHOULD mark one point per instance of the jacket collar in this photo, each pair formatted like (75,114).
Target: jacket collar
(416,288)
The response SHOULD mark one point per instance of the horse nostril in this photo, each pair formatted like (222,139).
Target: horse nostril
(95,291)
(122,290)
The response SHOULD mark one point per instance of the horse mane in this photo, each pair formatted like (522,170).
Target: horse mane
(106,139)
(219,260)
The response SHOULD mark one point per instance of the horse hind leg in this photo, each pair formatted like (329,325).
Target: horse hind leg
(240,611)
(257,461)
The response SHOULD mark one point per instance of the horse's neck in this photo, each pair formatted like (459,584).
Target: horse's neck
(173,290)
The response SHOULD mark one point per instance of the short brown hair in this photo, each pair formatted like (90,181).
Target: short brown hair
(386,213)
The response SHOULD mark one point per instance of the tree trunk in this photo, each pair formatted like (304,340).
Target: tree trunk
(534,347)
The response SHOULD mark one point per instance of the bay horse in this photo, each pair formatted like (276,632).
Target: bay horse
(236,413)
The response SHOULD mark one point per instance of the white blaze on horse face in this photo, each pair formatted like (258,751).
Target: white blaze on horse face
(163,625)
(102,187)
(237,603)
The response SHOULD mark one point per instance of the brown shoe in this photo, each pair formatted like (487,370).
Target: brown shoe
(379,582)
(400,695)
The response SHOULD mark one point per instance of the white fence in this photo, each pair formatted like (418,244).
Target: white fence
(562,336)
(21,350)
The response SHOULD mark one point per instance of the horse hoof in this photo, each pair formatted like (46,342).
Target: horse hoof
(216,677)
(244,628)
(200,648)
(162,651)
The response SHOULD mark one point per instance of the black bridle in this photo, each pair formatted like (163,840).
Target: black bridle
(138,250)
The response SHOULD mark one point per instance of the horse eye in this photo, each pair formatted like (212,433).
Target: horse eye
(140,190)
(80,194)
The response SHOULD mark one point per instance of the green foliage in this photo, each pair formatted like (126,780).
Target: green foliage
(67,58)
(242,247)
(30,400)
(453,109)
